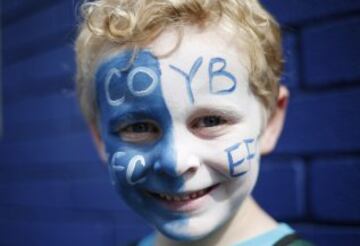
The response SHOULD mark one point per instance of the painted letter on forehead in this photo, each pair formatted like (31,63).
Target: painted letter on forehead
(189,77)
(148,74)
(113,73)
(218,77)
(141,81)
(220,72)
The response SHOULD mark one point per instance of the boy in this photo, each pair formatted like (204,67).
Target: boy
(182,98)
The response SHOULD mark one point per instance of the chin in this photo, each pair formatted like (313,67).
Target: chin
(197,227)
(195,219)
(185,232)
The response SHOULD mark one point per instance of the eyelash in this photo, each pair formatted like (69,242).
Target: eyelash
(138,127)
(139,132)
(208,121)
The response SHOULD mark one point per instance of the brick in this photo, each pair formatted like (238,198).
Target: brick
(331,53)
(77,147)
(133,231)
(45,73)
(44,108)
(42,117)
(290,76)
(91,193)
(298,11)
(281,188)
(36,129)
(18,8)
(322,122)
(58,214)
(36,193)
(66,171)
(334,191)
(330,234)
(58,18)
(12,6)
(65,233)
(97,193)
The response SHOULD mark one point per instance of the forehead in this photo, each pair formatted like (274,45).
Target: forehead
(205,65)
(216,59)
(192,41)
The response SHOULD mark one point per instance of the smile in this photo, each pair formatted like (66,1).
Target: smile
(183,197)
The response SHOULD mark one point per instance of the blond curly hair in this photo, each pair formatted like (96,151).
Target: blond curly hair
(110,25)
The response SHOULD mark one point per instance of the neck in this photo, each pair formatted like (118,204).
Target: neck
(249,221)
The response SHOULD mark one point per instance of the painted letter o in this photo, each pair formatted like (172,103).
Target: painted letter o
(150,88)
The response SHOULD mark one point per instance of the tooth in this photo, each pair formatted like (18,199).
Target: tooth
(193,195)
(185,198)
(176,198)
(168,198)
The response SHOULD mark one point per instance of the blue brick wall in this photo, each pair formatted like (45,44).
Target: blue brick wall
(54,191)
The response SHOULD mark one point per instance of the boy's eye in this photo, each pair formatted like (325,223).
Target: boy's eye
(209,126)
(209,121)
(139,132)
(139,127)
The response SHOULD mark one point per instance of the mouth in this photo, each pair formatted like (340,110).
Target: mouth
(183,201)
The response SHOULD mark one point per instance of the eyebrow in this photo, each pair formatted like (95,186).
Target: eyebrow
(133,114)
(225,110)
(128,116)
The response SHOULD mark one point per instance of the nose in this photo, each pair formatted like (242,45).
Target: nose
(181,160)
(187,162)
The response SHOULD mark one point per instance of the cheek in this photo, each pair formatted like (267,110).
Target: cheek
(127,165)
(128,168)
(234,157)
(131,166)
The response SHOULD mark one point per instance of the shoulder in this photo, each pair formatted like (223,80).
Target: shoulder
(282,235)
(149,240)
(292,240)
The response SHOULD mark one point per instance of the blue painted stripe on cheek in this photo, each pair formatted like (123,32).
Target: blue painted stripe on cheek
(135,95)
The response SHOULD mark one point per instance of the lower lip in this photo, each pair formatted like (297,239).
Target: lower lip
(190,205)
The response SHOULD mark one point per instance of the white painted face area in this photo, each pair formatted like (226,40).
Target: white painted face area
(216,124)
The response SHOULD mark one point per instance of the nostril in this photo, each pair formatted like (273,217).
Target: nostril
(157,166)
(188,166)
(165,168)
(191,170)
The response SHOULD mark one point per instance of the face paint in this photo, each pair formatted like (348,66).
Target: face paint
(181,132)
(130,97)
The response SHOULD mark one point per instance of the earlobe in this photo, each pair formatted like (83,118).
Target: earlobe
(98,142)
(275,123)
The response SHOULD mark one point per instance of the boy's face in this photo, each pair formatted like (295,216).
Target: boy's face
(181,132)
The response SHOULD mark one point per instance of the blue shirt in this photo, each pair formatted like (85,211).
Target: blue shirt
(265,239)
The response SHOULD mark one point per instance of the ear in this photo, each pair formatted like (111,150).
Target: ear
(275,124)
(100,146)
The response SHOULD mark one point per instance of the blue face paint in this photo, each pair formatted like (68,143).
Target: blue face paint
(132,94)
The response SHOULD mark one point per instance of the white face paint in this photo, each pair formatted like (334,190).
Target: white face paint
(217,121)
(214,122)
